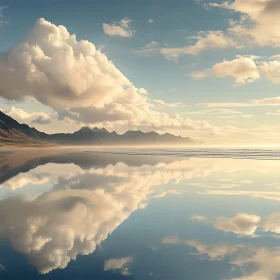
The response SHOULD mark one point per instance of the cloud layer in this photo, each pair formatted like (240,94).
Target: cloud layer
(23,117)
(79,82)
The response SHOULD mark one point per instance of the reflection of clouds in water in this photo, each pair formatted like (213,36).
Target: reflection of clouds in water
(22,180)
(213,252)
(215,186)
(199,218)
(85,205)
(244,224)
(255,263)
(40,175)
(118,264)
(272,195)
(77,215)
(169,192)
(57,226)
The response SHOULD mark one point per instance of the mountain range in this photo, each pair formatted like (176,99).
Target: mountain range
(13,133)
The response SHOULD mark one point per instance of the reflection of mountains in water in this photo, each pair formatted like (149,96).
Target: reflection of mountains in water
(12,164)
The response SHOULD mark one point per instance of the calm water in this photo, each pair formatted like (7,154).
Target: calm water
(140,214)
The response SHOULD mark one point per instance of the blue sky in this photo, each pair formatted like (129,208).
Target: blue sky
(188,52)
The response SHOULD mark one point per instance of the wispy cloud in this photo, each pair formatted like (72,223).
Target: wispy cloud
(2,20)
(149,49)
(264,262)
(2,267)
(121,28)
(204,40)
(161,103)
(271,101)
(243,69)
(213,111)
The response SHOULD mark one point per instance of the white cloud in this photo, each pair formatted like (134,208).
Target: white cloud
(205,40)
(80,83)
(223,113)
(271,101)
(256,16)
(271,69)
(161,103)
(152,44)
(199,218)
(249,30)
(219,111)
(149,49)
(30,118)
(150,20)
(242,69)
(2,267)
(121,28)
(276,113)
(237,116)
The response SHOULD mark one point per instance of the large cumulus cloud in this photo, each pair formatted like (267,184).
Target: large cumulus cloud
(79,82)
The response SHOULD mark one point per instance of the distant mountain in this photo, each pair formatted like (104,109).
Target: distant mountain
(13,133)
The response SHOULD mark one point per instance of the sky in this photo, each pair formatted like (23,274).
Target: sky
(205,69)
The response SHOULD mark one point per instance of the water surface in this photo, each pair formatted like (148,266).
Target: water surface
(140,214)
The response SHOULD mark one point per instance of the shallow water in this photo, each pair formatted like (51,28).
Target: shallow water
(140,214)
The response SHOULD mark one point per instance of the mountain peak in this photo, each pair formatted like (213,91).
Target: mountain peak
(84,129)
(14,134)
(84,136)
